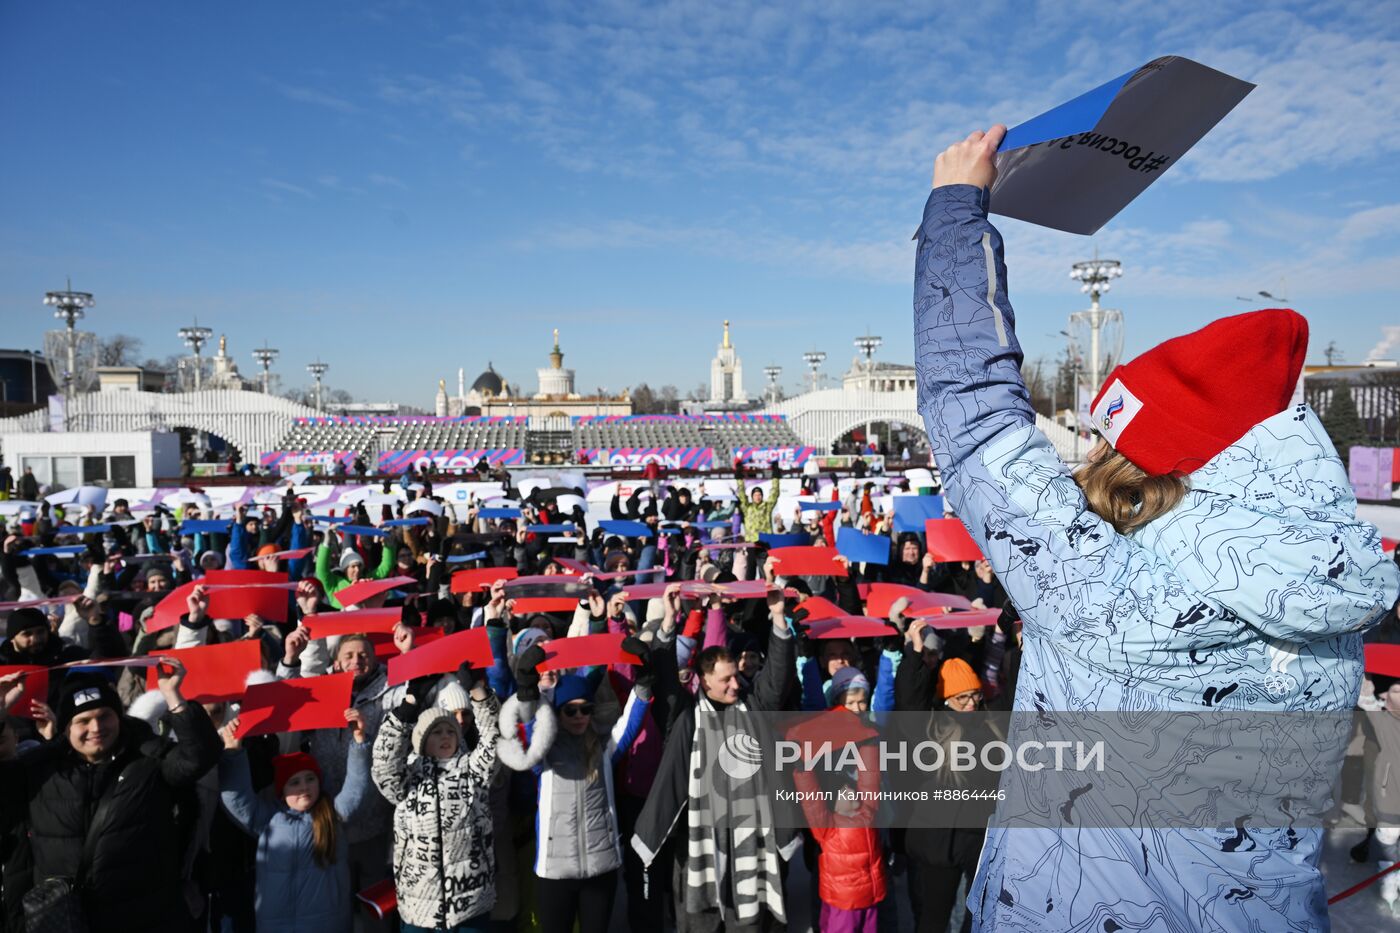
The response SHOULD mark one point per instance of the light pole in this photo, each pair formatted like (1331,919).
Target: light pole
(814,360)
(195,337)
(772,371)
(867,345)
(69,307)
(1095,277)
(265,355)
(317,370)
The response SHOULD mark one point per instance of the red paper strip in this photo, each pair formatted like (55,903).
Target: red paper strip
(355,622)
(385,649)
(109,662)
(1383,659)
(851,627)
(585,651)
(469,581)
(644,590)
(35,603)
(933,604)
(742,589)
(214,673)
(380,899)
(36,687)
(575,567)
(235,577)
(879,597)
(293,554)
(965,619)
(807,562)
(356,593)
(443,656)
(266,601)
(530,604)
(948,541)
(819,607)
(296,705)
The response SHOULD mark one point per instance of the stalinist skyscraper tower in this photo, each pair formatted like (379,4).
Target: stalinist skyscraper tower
(727,375)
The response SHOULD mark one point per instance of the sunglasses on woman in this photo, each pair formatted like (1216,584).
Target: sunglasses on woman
(577,709)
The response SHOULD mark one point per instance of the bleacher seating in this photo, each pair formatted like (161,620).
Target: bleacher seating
(722,434)
(369,436)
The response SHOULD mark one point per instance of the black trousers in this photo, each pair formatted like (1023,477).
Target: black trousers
(937,894)
(560,902)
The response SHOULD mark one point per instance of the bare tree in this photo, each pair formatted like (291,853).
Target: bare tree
(118,350)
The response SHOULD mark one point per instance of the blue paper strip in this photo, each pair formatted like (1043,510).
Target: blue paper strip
(369,531)
(1075,116)
(464,558)
(859,547)
(65,550)
(330,519)
(819,506)
(402,522)
(196,526)
(498,512)
(910,512)
(789,540)
(716,523)
(627,529)
(549,529)
(84,529)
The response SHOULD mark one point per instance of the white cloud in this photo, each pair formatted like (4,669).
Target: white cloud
(278,185)
(310,95)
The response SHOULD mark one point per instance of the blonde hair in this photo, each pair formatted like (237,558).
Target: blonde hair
(1122,494)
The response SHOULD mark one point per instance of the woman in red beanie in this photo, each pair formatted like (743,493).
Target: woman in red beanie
(303,861)
(1208,558)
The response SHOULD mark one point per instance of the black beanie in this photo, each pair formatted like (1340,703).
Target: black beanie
(82,691)
(21,620)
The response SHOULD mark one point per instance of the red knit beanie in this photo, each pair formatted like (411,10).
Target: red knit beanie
(285,767)
(1176,406)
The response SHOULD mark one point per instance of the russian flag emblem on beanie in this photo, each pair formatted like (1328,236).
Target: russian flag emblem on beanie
(1172,409)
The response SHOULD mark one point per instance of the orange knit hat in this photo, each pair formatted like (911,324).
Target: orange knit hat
(956,676)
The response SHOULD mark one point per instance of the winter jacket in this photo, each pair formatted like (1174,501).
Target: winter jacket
(294,894)
(576,830)
(133,880)
(333,580)
(851,867)
(1382,730)
(758,516)
(1250,595)
(444,850)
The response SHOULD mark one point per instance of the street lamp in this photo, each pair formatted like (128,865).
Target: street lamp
(1095,277)
(867,345)
(814,360)
(195,337)
(265,355)
(69,307)
(317,370)
(772,371)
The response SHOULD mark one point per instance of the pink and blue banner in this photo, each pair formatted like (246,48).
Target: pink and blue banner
(412,419)
(295,461)
(673,458)
(399,461)
(726,418)
(786,457)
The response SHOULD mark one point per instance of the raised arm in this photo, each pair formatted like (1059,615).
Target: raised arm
(389,766)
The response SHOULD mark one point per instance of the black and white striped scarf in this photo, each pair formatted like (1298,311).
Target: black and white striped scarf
(732,858)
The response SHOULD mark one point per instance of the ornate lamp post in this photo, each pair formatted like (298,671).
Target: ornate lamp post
(69,307)
(265,355)
(195,337)
(317,370)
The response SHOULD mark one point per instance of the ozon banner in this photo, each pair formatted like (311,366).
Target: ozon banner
(398,461)
(674,458)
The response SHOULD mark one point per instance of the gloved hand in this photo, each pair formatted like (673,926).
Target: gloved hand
(642,673)
(420,687)
(527,678)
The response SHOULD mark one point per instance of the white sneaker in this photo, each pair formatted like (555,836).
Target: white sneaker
(1390,888)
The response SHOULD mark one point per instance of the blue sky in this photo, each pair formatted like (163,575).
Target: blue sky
(406,188)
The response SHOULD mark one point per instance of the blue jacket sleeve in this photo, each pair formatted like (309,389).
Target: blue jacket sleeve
(1071,575)
(628,726)
(883,700)
(357,779)
(301,537)
(239,547)
(498,675)
(243,806)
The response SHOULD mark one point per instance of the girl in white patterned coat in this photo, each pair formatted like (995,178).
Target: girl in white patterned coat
(444,860)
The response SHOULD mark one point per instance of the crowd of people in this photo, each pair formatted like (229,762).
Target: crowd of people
(492,797)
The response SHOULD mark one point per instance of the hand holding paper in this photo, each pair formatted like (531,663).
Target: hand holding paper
(970,162)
